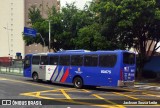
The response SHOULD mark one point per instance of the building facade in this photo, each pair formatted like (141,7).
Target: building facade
(14,17)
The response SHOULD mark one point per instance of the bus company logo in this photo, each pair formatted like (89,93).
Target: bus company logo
(106,71)
(49,69)
(6,102)
(78,71)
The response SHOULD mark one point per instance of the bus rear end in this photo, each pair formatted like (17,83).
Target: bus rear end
(127,69)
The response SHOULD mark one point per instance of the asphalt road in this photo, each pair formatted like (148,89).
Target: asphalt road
(22,92)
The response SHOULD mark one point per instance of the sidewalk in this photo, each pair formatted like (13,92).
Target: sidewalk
(148,84)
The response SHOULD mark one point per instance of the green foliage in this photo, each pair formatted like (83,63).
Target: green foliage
(131,22)
(89,38)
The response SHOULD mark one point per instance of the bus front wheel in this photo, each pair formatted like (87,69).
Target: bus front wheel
(77,82)
(35,77)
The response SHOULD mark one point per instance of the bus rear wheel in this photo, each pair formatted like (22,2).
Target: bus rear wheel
(35,77)
(78,83)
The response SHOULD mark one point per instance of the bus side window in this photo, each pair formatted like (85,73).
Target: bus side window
(64,60)
(44,60)
(36,60)
(53,60)
(107,60)
(76,60)
(90,60)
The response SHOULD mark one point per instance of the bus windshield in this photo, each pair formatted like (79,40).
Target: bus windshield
(128,58)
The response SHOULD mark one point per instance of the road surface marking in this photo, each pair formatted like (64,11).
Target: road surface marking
(38,94)
(65,94)
(86,90)
(99,97)
(151,94)
(3,78)
(126,95)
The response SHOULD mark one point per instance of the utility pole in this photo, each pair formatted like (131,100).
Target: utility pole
(43,41)
(8,38)
(49,34)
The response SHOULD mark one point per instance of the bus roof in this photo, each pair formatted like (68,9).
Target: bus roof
(82,52)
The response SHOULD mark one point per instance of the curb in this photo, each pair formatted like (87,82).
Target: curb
(147,87)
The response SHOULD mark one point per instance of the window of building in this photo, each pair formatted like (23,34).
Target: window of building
(107,60)
(76,60)
(90,60)
(36,60)
(54,60)
(64,60)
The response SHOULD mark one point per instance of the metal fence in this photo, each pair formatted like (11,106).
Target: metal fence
(14,67)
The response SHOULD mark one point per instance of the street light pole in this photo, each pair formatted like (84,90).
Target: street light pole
(49,34)
(8,39)
(43,42)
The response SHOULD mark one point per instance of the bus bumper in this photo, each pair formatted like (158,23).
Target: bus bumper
(125,83)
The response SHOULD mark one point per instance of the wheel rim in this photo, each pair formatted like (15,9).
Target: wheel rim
(35,77)
(78,83)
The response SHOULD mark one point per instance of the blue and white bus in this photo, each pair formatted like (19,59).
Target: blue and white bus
(83,68)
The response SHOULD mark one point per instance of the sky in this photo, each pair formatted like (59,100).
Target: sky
(79,3)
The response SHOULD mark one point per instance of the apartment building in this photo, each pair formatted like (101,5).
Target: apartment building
(14,17)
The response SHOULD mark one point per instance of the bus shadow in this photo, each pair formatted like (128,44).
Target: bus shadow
(51,83)
(104,89)
(107,89)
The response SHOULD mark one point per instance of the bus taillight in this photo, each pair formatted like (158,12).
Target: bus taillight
(121,74)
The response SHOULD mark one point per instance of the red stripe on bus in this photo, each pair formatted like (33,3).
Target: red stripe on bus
(65,76)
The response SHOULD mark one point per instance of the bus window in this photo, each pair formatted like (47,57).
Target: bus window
(35,60)
(107,60)
(128,58)
(90,60)
(64,60)
(27,62)
(53,60)
(44,60)
(76,60)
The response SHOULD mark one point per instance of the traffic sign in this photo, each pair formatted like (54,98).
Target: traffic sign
(30,32)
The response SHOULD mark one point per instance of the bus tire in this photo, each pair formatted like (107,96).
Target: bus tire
(35,77)
(78,82)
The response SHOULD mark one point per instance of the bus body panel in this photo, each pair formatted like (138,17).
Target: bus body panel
(50,69)
(61,74)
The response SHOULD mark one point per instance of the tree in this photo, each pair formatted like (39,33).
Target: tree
(66,24)
(37,22)
(132,23)
(90,38)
